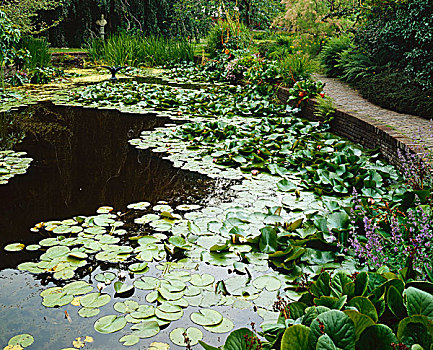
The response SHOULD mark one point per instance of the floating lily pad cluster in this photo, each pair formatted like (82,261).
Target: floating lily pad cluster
(11,164)
(211,102)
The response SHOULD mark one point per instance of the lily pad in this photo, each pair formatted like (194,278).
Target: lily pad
(146,329)
(88,312)
(110,324)
(95,300)
(271,283)
(225,326)
(202,280)
(206,317)
(129,340)
(14,247)
(178,335)
(78,288)
(23,340)
(126,307)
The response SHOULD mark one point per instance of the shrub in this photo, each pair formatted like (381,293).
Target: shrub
(227,35)
(392,89)
(39,54)
(399,32)
(296,67)
(331,52)
(353,65)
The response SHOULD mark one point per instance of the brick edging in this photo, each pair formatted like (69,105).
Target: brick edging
(364,131)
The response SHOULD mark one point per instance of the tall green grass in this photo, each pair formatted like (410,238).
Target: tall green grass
(135,50)
(39,50)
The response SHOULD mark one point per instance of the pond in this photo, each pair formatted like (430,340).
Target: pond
(138,225)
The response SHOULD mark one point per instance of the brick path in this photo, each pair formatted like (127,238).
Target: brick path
(351,101)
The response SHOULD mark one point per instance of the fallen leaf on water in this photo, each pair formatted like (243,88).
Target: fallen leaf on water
(88,339)
(159,346)
(77,343)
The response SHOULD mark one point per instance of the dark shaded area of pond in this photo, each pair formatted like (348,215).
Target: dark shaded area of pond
(82,160)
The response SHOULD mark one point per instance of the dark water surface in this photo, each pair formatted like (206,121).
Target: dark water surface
(82,161)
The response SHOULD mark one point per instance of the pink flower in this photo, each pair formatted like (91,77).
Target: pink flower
(254,172)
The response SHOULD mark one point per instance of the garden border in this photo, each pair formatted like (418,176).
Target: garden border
(362,130)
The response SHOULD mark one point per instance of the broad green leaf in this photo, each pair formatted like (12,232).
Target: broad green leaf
(268,240)
(129,340)
(338,326)
(364,306)
(146,329)
(416,330)
(177,336)
(225,326)
(95,300)
(23,340)
(206,317)
(376,337)
(395,303)
(361,321)
(110,324)
(295,338)
(419,302)
(325,343)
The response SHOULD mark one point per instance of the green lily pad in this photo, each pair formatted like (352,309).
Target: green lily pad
(126,307)
(122,288)
(86,312)
(169,316)
(146,329)
(271,283)
(14,247)
(57,299)
(78,288)
(110,324)
(202,280)
(143,311)
(138,268)
(23,340)
(129,340)
(225,326)
(178,335)
(139,206)
(206,317)
(168,307)
(105,277)
(95,300)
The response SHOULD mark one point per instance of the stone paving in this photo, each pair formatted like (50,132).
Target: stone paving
(352,102)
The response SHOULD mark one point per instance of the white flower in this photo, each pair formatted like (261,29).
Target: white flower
(236,9)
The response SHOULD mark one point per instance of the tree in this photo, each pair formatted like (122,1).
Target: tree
(24,13)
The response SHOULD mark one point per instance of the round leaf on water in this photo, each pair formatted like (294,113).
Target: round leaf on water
(122,288)
(57,299)
(202,280)
(224,327)
(138,267)
(95,300)
(104,210)
(271,283)
(139,205)
(147,283)
(78,255)
(88,312)
(109,324)
(295,338)
(78,288)
(168,307)
(167,295)
(152,296)
(105,277)
(129,340)
(159,346)
(143,311)
(62,229)
(57,252)
(14,247)
(146,329)
(64,274)
(23,340)
(187,207)
(169,316)
(49,242)
(126,307)
(206,317)
(33,247)
(178,335)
